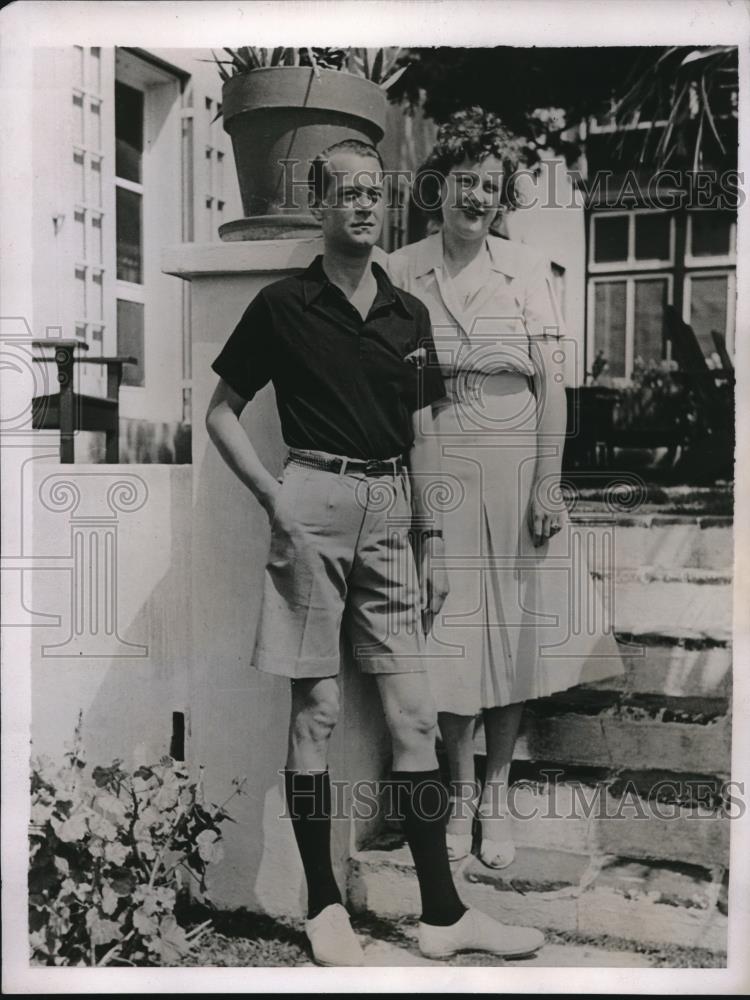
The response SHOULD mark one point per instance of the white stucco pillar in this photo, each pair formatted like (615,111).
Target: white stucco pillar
(552,221)
(238,716)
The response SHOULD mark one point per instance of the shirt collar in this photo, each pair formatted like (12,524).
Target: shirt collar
(315,280)
(502,255)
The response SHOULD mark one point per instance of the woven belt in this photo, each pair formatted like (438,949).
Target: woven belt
(341,465)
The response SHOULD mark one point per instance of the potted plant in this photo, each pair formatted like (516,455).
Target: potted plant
(281,107)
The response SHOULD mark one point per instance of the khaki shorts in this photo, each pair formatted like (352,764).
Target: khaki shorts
(345,570)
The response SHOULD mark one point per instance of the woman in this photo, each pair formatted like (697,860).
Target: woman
(514,625)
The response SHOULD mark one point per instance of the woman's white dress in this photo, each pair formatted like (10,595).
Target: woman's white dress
(520,622)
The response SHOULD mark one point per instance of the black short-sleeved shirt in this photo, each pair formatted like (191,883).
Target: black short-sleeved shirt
(343,384)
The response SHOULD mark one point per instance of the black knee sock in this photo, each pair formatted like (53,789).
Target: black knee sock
(308,797)
(422,800)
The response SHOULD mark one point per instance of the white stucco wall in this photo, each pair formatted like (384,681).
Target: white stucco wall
(55,192)
(553,223)
(239,717)
(128,672)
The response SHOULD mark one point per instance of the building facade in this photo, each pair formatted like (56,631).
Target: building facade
(129,156)
(654,238)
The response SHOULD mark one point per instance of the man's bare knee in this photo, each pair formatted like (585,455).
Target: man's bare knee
(315,710)
(413,726)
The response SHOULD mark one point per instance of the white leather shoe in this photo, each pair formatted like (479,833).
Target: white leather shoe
(332,939)
(475,931)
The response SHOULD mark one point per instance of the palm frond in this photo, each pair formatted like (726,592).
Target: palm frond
(389,81)
(679,88)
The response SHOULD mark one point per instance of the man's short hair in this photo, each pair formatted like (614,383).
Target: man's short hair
(320,176)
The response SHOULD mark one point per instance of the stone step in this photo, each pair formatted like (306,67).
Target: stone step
(669,711)
(653,575)
(695,675)
(650,497)
(659,540)
(689,677)
(679,610)
(654,904)
(651,816)
(625,736)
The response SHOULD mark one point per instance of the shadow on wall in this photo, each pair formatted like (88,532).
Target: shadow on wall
(189,568)
(235,720)
(145,442)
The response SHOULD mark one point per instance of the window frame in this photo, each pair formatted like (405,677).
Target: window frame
(142,75)
(704,261)
(630,263)
(90,273)
(730,273)
(629,278)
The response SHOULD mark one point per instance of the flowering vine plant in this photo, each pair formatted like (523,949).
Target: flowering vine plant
(109,850)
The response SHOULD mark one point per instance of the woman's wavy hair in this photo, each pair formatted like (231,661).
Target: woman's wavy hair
(473,134)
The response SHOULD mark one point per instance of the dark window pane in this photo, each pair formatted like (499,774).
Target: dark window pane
(128,132)
(708,308)
(609,322)
(610,238)
(652,237)
(130,339)
(648,336)
(129,236)
(710,234)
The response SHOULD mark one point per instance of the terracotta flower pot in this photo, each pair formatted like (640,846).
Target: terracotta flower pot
(280,118)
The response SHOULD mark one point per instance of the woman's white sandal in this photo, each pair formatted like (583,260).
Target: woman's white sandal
(496,853)
(459,844)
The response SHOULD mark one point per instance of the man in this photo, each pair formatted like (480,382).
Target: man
(343,348)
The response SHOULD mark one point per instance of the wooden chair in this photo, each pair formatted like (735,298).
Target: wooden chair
(713,395)
(69,411)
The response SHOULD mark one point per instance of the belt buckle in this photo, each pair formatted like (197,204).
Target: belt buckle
(372,467)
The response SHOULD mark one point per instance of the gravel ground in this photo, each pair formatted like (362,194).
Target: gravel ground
(245,939)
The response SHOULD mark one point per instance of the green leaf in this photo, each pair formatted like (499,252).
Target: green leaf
(116,853)
(72,829)
(122,881)
(62,865)
(102,776)
(144,923)
(220,66)
(102,931)
(101,827)
(110,900)
(38,942)
(110,806)
(174,942)
(387,84)
(41,812)
(37,918)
